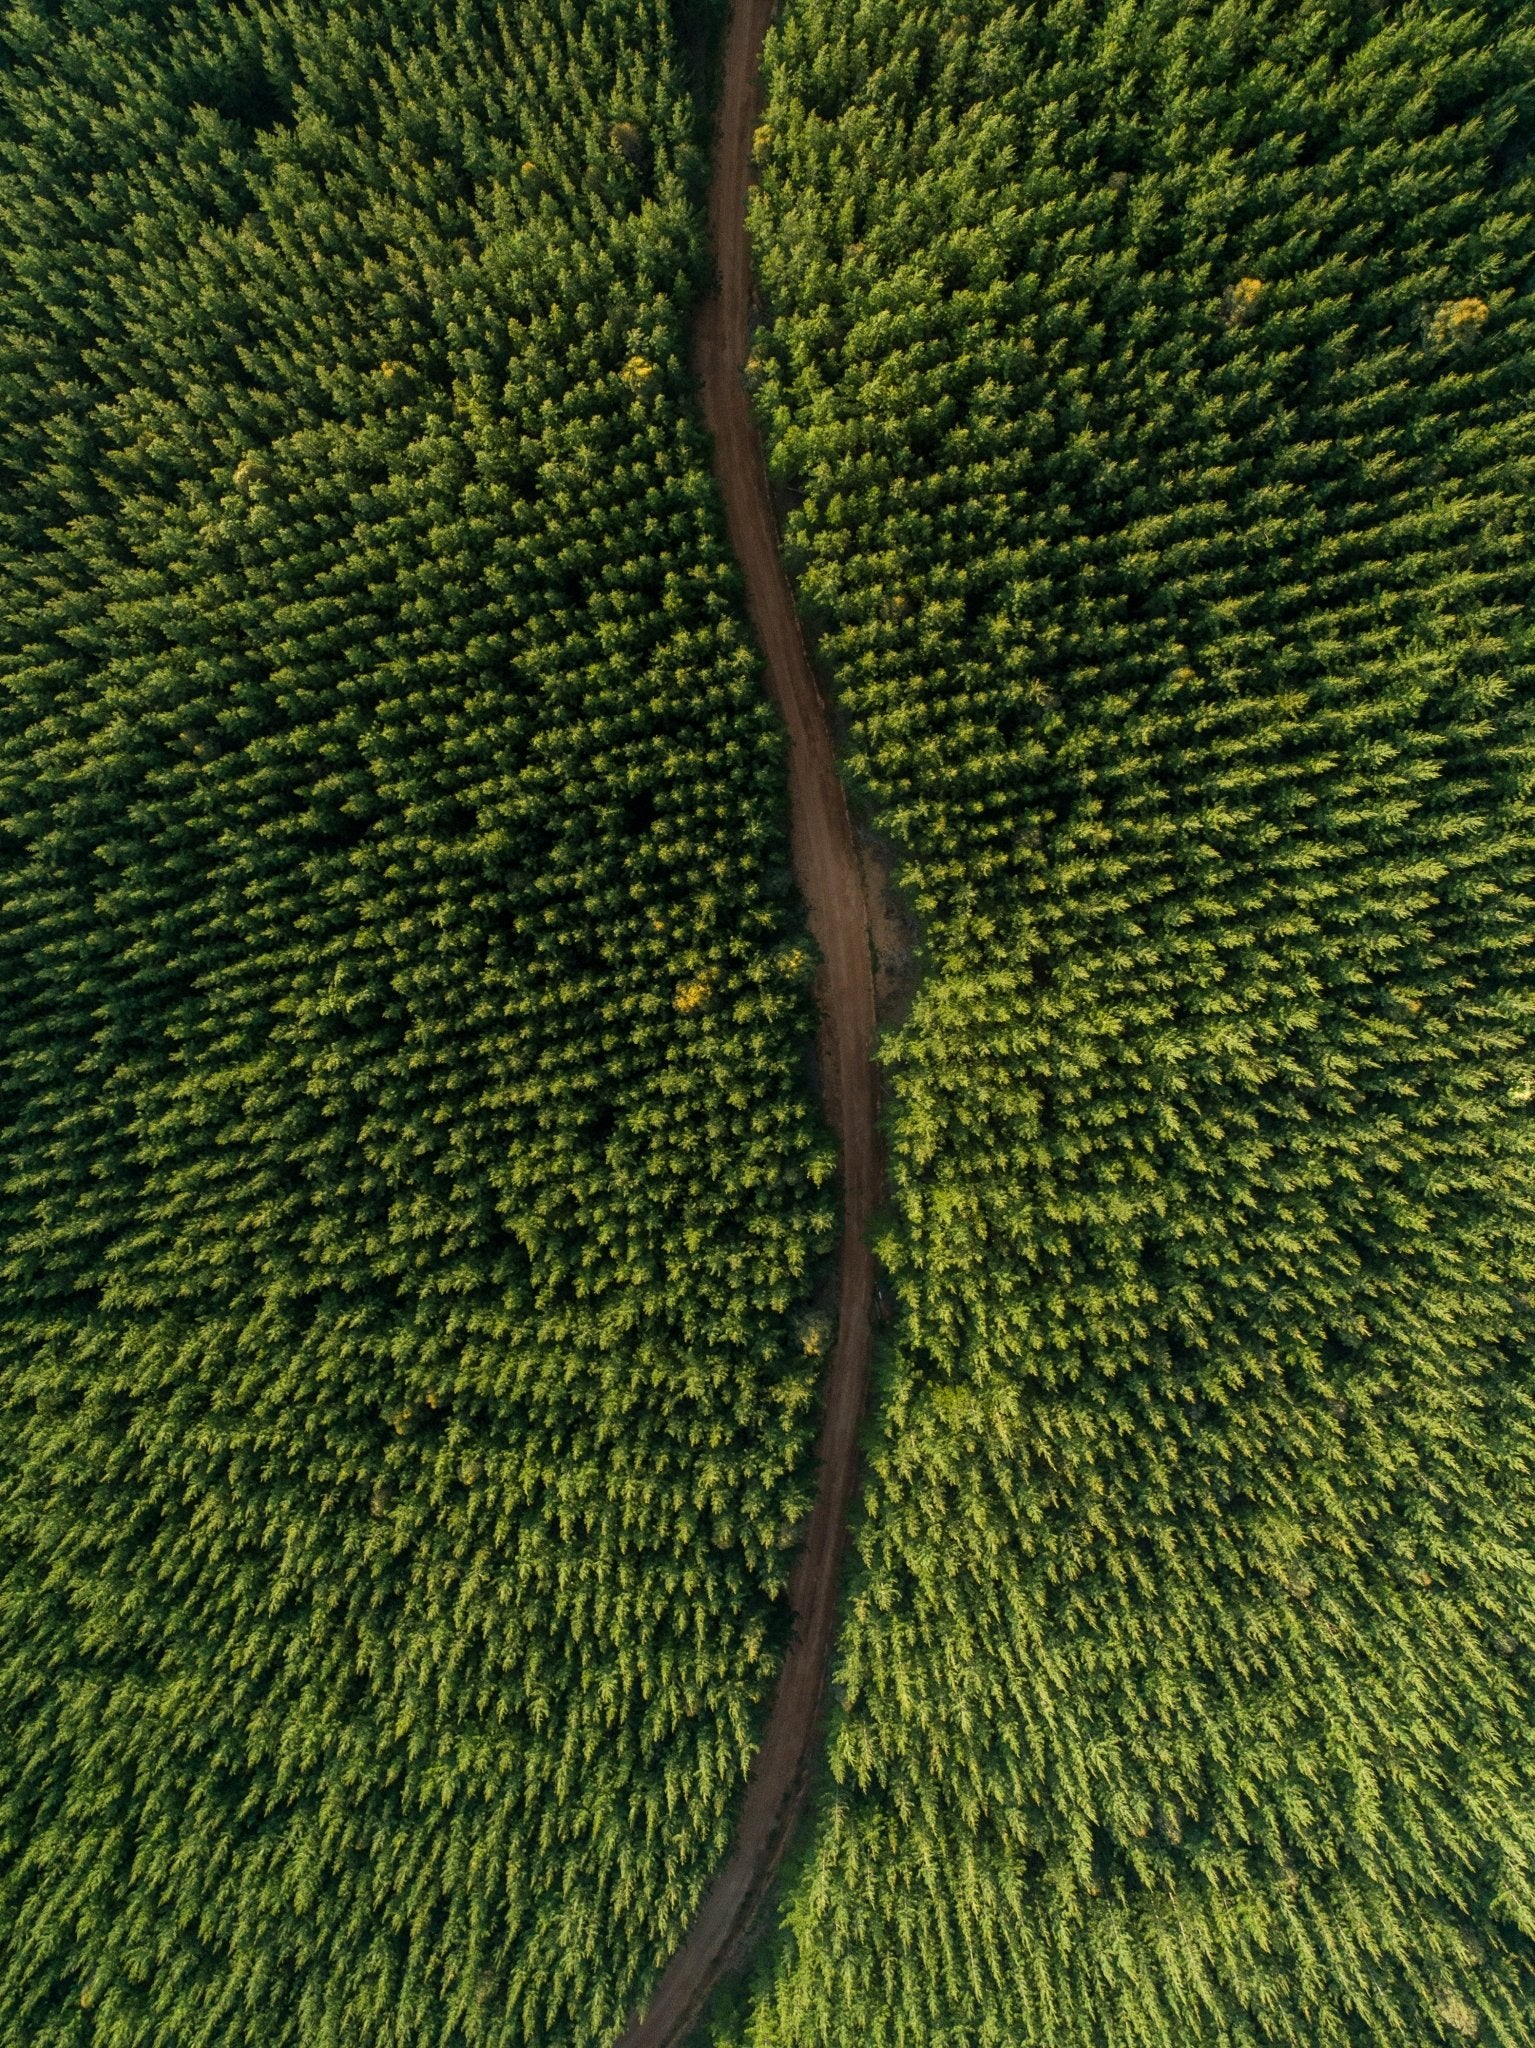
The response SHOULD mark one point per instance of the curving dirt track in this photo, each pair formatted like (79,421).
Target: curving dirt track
(826,865)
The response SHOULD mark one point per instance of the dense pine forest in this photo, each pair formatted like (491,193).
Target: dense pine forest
(412,1187)
(415,1212)
(1149,385)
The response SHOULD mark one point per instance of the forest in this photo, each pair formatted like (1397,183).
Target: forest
(416,1204)
(1149,385)
(412,1192)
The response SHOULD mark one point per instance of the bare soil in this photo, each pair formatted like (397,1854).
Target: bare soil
(831,877)
(893,932)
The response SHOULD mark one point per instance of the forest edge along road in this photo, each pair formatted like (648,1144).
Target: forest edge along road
(826,865)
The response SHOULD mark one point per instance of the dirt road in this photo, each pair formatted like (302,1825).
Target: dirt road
(826,864)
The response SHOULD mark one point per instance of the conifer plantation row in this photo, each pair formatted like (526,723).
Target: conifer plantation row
(411,1194)
(1153,385)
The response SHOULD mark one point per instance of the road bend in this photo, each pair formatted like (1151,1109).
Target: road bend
(827,869)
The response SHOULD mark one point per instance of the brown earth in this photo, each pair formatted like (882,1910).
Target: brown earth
(893,933)
(827,867)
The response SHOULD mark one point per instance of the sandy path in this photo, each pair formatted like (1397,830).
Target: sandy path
(826,865)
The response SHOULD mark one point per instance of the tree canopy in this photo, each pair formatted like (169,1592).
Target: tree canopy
(1151,383)
(410,1196)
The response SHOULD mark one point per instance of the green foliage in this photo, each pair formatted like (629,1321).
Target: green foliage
(1154,381)
(405,1412)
